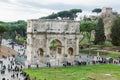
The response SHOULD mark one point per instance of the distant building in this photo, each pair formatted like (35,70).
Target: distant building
(106,12)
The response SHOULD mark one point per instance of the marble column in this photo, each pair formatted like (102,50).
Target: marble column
(65,46)
(47,47)
(77,46)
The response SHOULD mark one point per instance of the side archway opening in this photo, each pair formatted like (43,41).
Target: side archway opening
(41,53)
(70,51)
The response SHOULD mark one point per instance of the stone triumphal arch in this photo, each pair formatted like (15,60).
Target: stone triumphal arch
(52,38)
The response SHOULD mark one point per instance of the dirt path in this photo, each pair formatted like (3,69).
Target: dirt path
(6,51)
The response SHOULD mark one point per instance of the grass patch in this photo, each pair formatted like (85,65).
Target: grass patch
(84,41)
(107,43)
(101,53)
(97,72)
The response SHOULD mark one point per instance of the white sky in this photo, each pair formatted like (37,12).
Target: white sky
(13,10)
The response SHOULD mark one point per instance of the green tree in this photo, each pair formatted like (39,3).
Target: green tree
(51,16)
(19,27)
(12,31)
(86,28)
(115,32)
(3,28)
(22,27)
(71,14)
(74,12)
(99,32)
(65,14)
(96,10)
(53,45)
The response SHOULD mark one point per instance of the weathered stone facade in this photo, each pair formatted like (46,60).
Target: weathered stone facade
(108,16)
(40,33)
(107,12)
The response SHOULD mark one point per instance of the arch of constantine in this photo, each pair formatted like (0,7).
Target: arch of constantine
(52,39)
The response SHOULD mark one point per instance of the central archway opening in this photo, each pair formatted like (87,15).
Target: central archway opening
(55,47)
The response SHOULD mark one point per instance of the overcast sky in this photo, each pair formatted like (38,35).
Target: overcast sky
(13,10)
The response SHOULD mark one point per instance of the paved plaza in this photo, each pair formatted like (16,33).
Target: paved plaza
(7,61)
(8,75)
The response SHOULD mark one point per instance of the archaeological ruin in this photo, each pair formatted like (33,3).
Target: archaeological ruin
(47,39)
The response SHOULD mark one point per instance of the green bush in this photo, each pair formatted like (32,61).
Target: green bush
(21,39)
(107,43)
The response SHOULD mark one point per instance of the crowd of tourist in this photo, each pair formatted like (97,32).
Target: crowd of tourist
(14,69)
(91,60)
(81,61)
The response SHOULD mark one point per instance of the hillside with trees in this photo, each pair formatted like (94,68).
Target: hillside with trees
(15,30)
